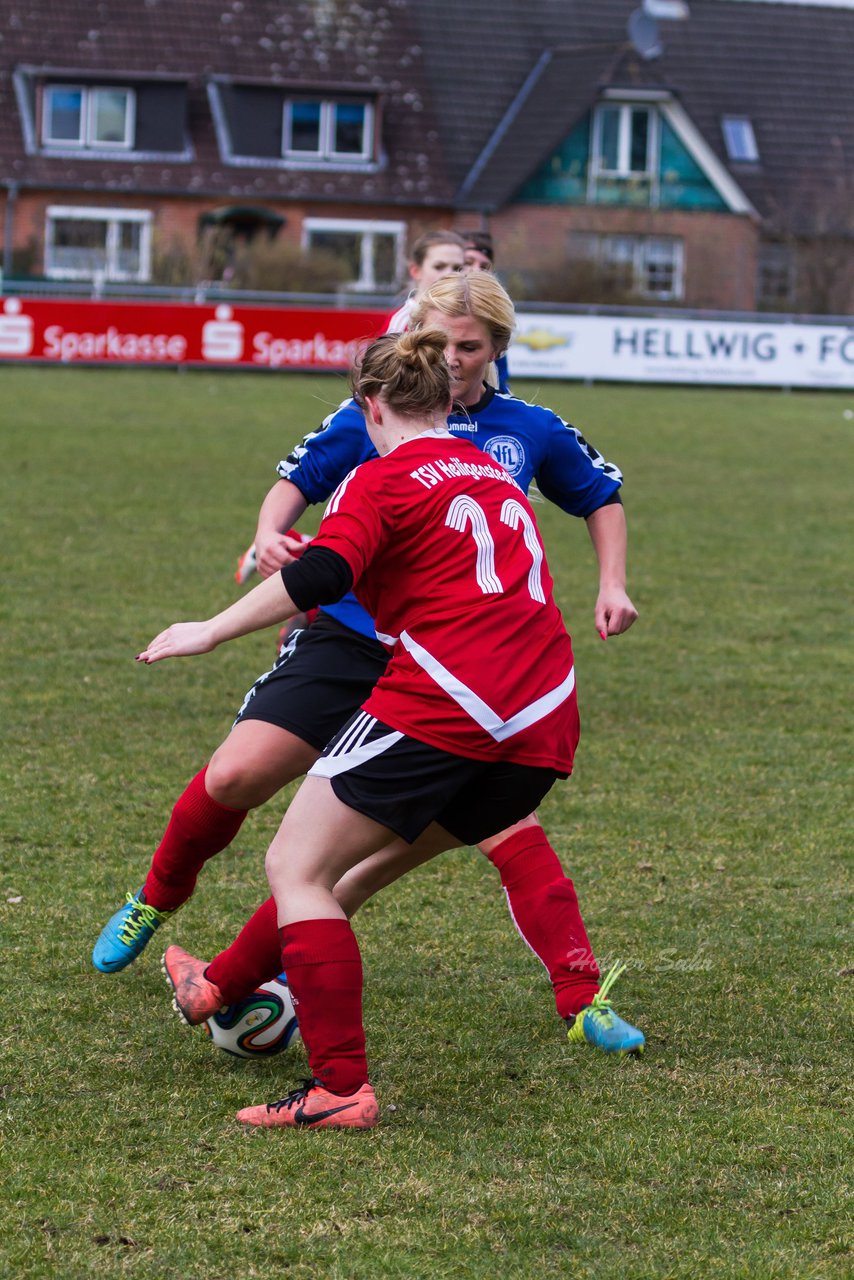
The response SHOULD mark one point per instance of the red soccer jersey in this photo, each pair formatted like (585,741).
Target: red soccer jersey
(447,558)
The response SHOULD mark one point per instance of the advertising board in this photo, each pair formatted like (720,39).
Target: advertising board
(664,349)
(673,349)
(66,332)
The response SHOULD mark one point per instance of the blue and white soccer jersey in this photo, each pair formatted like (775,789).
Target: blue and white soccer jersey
(531,442)
(535,445)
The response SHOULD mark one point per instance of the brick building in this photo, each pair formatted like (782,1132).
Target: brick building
(696,155)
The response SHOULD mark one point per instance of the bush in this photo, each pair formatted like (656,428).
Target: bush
(579,281)
(283,267)
(257,264)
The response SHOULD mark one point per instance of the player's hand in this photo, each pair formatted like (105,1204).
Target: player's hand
(181,640)
(615,612)
(275,551)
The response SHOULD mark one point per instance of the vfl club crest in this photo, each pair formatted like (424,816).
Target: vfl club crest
(507,451)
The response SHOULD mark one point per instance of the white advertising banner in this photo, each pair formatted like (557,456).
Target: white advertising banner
(661,349)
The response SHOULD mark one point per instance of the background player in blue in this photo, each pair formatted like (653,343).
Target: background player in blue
(433,255)
(292,711)
(530,441)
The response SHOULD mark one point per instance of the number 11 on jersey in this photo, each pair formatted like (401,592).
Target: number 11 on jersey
(465,513)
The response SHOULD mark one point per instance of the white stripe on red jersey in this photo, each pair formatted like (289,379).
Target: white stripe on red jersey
(447,558)
(475,707)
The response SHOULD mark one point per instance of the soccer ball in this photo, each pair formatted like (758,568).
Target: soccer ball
(258,1026)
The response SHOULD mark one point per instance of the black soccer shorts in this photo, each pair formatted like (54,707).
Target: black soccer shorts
(405,784)
(322,675)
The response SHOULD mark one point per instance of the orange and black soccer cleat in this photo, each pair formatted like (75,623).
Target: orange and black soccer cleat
(313,1107)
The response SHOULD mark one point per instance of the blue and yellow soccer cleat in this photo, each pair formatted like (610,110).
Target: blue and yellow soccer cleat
(599,1025)
(127,933)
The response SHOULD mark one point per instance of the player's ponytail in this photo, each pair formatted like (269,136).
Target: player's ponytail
(408,371)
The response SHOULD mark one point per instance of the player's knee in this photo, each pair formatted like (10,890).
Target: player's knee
(359,884)
(492,843)
(280,873)
(235,783)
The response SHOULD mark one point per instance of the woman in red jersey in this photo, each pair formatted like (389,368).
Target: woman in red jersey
(452,746)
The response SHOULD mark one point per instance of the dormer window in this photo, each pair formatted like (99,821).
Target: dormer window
(623,141)
(324,129)
(624,156)
(88,117)
(739,139)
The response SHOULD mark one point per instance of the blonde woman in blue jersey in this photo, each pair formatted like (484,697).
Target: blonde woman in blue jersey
(325,672)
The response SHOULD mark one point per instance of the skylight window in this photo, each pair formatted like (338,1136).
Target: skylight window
(739,139)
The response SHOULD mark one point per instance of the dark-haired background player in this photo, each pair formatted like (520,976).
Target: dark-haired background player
(432,256)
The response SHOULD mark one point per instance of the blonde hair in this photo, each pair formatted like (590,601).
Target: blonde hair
(478,295)
(407,371)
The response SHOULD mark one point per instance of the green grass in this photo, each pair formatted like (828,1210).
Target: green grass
(706,828)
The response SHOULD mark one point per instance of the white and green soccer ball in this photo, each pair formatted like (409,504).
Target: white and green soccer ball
(258,1026)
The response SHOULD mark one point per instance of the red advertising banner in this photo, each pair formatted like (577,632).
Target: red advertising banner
(216,335)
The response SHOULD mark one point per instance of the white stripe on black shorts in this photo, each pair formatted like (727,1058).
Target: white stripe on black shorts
(405,784)
(322,674)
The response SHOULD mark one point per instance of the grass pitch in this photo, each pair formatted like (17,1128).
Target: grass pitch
(706,829)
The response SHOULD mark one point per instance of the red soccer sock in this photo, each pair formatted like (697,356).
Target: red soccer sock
(199,828)
(254,957)
(544,908)
(324,968)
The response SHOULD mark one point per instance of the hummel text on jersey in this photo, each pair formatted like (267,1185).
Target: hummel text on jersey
(433,473)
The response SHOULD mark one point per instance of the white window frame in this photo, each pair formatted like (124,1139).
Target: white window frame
(130,117)
(326,141)
(597,246)
(47,116)
(366,282)
(626,261)
(644,263)
(776,265)
(114,218)
(88,108)
(739,139)
(624,141)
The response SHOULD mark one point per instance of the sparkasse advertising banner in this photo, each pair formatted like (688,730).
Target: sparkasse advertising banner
(599,348)
(183,334)
(664,349)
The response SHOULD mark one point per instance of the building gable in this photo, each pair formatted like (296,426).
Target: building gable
(784,68)
(679,180)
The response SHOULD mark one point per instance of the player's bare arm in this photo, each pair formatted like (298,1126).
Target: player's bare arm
(280,510)
(264,605)
(614,611)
